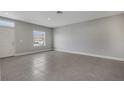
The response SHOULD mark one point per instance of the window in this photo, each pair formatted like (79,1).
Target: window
(38,38)
(6,23)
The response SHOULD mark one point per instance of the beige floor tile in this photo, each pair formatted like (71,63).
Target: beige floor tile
(60,66)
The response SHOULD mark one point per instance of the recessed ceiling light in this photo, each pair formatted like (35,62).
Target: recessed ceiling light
(49,18)
(6,13)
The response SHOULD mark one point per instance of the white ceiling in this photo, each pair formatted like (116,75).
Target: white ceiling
(51,19)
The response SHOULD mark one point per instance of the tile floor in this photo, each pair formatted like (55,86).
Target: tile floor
(60,66)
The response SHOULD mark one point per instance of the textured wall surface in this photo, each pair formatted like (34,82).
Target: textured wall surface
(24,37)
(104,36)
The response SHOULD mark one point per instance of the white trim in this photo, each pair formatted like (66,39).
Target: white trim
(26,53)
(93,55)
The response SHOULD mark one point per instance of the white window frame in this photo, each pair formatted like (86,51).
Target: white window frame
(38,41)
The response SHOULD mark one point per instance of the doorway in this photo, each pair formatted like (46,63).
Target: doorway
(7,47)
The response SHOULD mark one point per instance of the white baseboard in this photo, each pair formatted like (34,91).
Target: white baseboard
(26,53)
(93,55)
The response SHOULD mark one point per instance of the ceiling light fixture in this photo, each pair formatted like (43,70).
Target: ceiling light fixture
(49,18)
(6,13)
(59,12)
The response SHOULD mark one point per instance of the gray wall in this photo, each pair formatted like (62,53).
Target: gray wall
(103,36)
(24,37)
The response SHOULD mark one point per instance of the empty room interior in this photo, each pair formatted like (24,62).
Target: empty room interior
(61,45)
